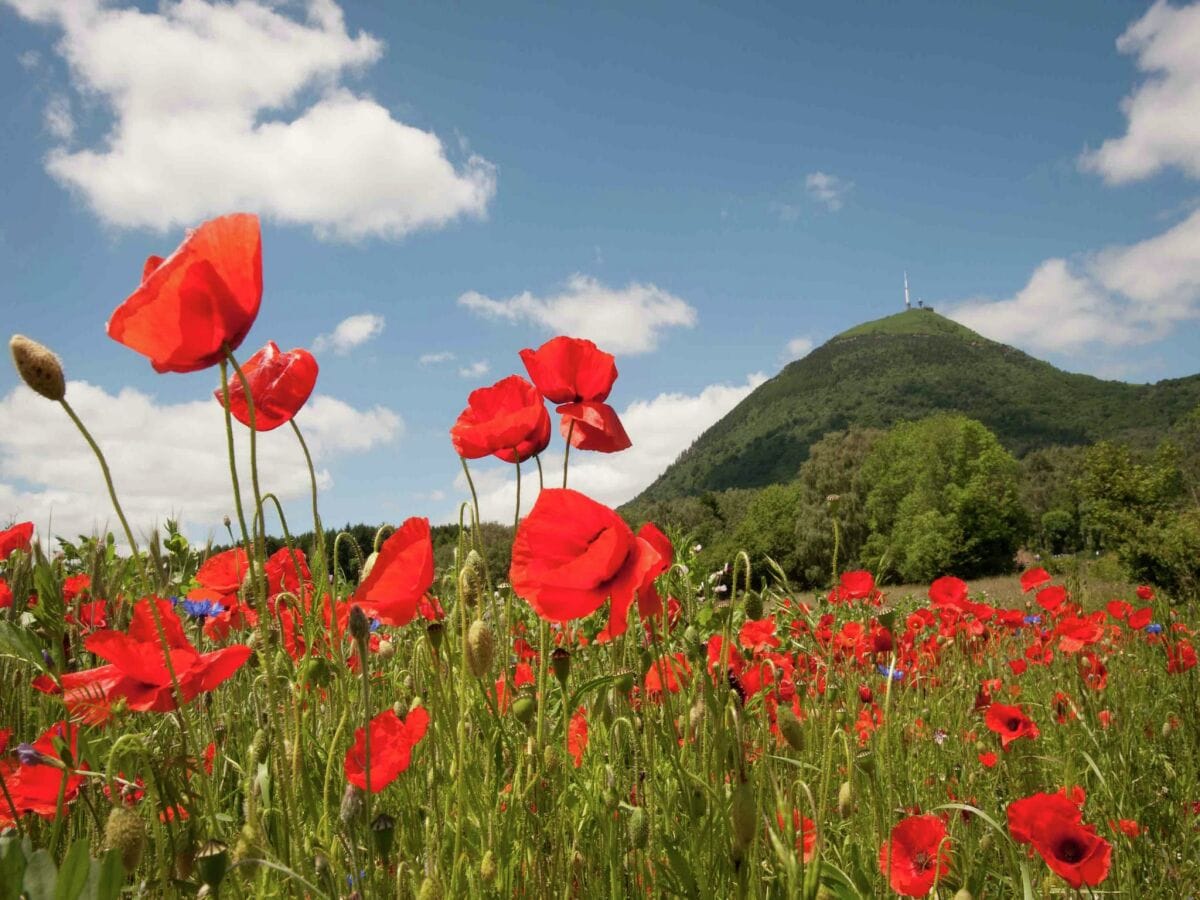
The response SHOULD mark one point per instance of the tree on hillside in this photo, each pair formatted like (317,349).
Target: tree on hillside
(941,498)
(1049,494)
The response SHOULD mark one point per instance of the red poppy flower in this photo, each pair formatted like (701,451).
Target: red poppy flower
(280,383)
(649,600)
(577,736)
(1010,722)
(1051,598)
(948,591)
(402,573)
(224,572)
(593,426)
(507,420)
(1181,657)
(572,553)
(392,742)
(1025,814)
(988,759)
(805,831)
(281,572)
(917,855)
(1072,850)
(1128,827)
(571,370)
(36,782)
(202,298)
(6,597)
(1033,578)
(1140,619)
(1118,609)
(16,538)
(1145,592)
(758,635)
(137,669)
(667,673)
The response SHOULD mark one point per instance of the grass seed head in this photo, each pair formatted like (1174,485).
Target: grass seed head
(38,367)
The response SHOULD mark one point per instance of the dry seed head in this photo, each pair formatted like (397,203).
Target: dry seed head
(481,648)
(125,832)
(38,367)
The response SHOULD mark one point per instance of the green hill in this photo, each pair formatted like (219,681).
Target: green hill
(908,366)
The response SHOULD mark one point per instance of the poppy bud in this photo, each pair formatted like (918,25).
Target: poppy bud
(754,606)
(212,860)
(431,889)
(386,650)
(481,648)
(367,567)
(964,894)
(360,628)
(624,682)
(696,715)
(639,828)
(845,800)
(435,631)
(38,367)
(560,662)
(258,746)
(470,579)
(524,708)
(985,842)
(125,832)
(550,758)
(383,833)
(789,727)
(487,868)
(352,805)
(742,815)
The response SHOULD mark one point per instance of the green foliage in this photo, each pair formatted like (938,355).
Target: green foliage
(942,497)
(906,367)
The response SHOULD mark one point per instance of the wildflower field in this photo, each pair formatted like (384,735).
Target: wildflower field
(603,719)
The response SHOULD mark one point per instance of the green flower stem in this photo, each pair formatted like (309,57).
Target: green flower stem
(567,451)
(312,477)
(517,515)
(260,538)
(541,480)
(233,474)
(366,701)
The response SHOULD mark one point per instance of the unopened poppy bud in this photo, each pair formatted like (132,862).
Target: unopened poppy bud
(696,715)
(481,648)
(985,842)
(226,521)
(524,708)
(435,631)
(38,367)
(212,861)
(845,803)
(352,805)
(624,682)
(386,650)
(125,832)
(431,889)
(258,746)
(639,828)
(470,579)
(360,628)
(754,606)
(487,868)
(367,567)
(383,833)
(964,894)
(789,727)
(550,758)
(698,802)
(560,662)
(741,816)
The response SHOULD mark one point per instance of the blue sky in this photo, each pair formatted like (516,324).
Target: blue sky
(705,190)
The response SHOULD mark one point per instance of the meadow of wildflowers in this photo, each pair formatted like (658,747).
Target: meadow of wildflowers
(603,719)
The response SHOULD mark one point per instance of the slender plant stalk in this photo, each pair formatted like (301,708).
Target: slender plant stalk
(567,451)
(233,474)
(517,515)
(260,538)
(318,530)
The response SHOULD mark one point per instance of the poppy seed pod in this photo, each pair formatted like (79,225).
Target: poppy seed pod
(38,367)
(481,648)
(125,832)
(352,805)
(383,833)
(524,708)
(435,631)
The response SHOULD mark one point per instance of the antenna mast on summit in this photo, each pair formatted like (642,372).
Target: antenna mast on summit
(907,305)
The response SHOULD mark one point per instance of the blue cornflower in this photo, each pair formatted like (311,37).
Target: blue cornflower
(889,672)
(202,609)
(1033,620)
(1154,628)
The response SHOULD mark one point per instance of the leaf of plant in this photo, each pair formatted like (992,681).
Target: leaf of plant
(40,876)
(12,869)
(73,875)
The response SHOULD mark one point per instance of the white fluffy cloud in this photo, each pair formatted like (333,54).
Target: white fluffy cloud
(221,106)
(1118,297)
(167,459)
(433,359)
(1132,294)
(475,369)
(1163,111)
(620,320)
(351,332)
(798,348)
(660,429)
(828,190)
